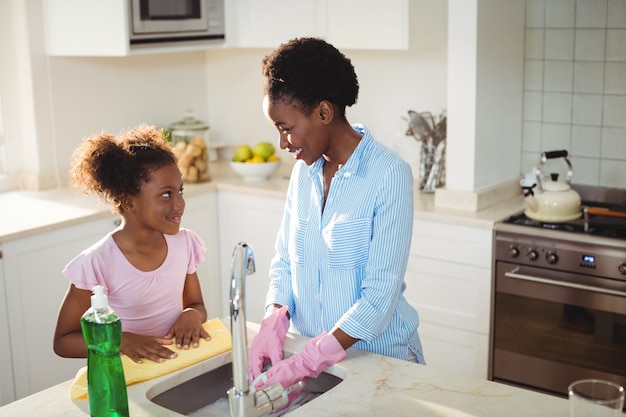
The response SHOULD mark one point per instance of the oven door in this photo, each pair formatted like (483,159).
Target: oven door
(158,16)
(551,328)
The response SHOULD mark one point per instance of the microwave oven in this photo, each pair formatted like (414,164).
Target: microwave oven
(163,21)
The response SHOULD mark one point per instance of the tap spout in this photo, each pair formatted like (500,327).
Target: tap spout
(242,265)
(242,401)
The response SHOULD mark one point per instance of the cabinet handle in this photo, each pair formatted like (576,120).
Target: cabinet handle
(513,274)
(117,222)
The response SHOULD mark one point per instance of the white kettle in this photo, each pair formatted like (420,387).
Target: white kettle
(552,201)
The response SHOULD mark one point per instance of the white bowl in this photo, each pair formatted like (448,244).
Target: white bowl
(255,171)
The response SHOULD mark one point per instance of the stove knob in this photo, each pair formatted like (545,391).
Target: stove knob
(552,257)
(513,252)
(533,254)
(622,268)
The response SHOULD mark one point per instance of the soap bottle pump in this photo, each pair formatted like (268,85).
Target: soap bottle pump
(102,330)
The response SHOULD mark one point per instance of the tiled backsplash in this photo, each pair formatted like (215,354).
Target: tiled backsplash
(575,88)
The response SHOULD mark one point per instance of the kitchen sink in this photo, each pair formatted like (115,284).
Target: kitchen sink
(210,389)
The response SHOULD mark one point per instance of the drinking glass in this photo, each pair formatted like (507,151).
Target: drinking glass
(595,398)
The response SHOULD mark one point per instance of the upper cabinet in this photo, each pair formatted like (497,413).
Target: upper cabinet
(347,24)
(358,24)
(102,27)
(268,23)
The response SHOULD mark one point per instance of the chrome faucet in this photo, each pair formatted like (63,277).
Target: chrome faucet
(242,401)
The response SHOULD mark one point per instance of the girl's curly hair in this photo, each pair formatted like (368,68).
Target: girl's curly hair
(116,167)
(308,71)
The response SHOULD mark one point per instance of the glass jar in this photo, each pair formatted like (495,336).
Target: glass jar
(190,137)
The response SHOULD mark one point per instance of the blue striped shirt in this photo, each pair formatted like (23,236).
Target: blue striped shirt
(345,265)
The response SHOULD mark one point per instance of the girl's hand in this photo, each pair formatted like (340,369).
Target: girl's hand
(188,330)
(136,347)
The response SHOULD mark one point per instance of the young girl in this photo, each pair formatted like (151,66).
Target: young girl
(148,264)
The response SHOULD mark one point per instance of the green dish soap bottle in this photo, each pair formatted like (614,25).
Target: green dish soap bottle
(106,386)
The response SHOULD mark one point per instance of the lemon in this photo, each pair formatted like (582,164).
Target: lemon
(264,150)
(255,160)
(242,153)
(273,158)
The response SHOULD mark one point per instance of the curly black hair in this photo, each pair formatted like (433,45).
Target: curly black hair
(116,167)
(308,71)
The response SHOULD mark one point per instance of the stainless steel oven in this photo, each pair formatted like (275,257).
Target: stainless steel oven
(559,311)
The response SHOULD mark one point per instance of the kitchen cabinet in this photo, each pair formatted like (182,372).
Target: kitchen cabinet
(34,288)
(99,28)
(449,283)
(254,220)
(7,388)
(268,23)
(201,217)
(347,24)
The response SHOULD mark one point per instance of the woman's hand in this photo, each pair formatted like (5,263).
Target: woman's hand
(188,329)
(267,345)
(136,347)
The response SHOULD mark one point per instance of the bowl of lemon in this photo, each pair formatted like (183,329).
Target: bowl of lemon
(255,163)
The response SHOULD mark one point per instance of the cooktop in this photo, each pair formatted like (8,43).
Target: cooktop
(611,200)
(591,224)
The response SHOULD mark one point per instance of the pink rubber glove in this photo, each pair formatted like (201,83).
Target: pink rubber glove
(268,344)
(320,353)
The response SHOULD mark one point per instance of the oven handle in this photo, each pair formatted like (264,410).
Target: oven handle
(515,275)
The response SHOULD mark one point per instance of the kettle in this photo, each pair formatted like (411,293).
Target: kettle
(553,201)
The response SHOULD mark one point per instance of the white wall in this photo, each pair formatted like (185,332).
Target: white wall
(94,94)
(224,88)
(485,47)
(20,83)
(391,83)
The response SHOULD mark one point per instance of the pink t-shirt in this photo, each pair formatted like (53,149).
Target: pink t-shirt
(148,303)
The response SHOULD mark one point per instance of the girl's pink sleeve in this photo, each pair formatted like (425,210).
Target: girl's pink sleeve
(84,272)
(197,249)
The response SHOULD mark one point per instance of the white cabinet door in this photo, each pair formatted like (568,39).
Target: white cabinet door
(456,351)
(98,28)
(254,220)
(87,28)
(347,24)
(268,23)
(201,217)
(358,24)
(35,288)
(449,283)
(7,389)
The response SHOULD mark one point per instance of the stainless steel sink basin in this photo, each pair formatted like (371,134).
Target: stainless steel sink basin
(212,386)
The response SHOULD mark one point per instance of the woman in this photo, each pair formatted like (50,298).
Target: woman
(343,245)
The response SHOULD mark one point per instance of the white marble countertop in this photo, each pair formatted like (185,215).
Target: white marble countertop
(25,213)
(373,385)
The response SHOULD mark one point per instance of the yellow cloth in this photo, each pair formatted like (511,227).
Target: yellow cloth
(137,372)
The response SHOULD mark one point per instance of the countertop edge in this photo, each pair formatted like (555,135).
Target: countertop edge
(27,213)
